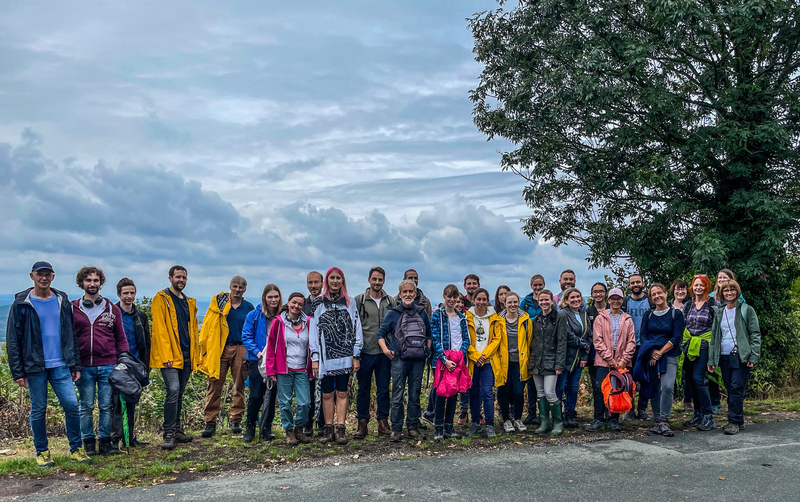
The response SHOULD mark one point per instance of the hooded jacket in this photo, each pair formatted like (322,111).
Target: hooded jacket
(24,336)
(214,334)
(141,328)
(390,323)
(492,350)
(748,334)
(371,323)
(604,340)
(579,338)
(440,334)
(530,306)
(524,334)
(548,350)
(104,340)
(166,345)
(254,333)
(275,350)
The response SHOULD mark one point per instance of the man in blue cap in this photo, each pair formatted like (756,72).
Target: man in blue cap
(42,348)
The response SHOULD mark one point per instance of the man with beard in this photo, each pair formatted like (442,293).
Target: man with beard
(420,298)
(636,305)
(174,349)
(566,280)
(101,339)
(314,286)
(471,283)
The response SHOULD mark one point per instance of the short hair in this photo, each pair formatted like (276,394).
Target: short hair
(380,270)
(472,276)
(88,270)
(238,279)
(405,274)
(598,283)
(705,281)
(659,286)
(546,292)
(635,274)
(173,268)
(124,282)
(730,283)
(566,271)
(403,283)
(314,272)
(511,293)
(677,283)
(563,301)
(537,276)
(451,290)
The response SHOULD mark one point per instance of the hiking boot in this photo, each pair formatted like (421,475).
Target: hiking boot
(695,420)
(508,426)
(462,418)
(413,433)
(341,434)
(308,430)
(427,417)
(519,426)
(544,416)
(301,435)
(730,429)
(438,433)
(631,415)
(383,427)
(78,455)
(474,429)
(396,436)
(327,434)
(707,424)
(211,428)
(450,433)
(236,428)
(688,407)
(613,425)
(558,422)
(182,437)
(569,419)
(291,440)
(269,436)
(595,426)
(108,448)
(655,429)
(136,442)
(249,433)
(490,433)
(45,459)
(361,431)
(169,441)
(531,418)
(644,416)
(89,446)
(420,425)
(664,429)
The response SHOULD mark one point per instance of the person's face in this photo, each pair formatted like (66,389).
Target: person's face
(697,287)
(273,299)
(537,286)
(598,294)
(376,282)
(43,278)
(482,301)
(501,296)
(452,301)
(545,302)
(636,284)
(314,285)
(295,304)
(615,302)
(460,303)
(178,280)
(681,292)
(730,294)
(658,296)
(91,284)
(512,304)
(414,277)
(237,290)
(567,280)
(471,285)
(127,295)
(335,282)
(575,300)
(722,277)
(407,294)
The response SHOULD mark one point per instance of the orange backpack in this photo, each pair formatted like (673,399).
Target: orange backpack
(618,391)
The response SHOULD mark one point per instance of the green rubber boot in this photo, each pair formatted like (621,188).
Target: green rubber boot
(544,416)
(558,422)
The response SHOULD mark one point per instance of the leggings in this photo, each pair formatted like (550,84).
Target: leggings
(546,386)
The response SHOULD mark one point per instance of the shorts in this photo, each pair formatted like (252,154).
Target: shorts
(340,383)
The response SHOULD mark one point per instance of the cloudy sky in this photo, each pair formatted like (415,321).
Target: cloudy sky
(255,138)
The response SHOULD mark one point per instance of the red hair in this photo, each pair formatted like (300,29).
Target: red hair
(706,283)
(326,288)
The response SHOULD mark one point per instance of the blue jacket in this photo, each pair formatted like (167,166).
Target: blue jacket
(530,306)
(390,321)
(648,376)
(254,333)
(662,329)
(440,334)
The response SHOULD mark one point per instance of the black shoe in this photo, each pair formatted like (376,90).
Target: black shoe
(108,448)
(169,441)
(631,415)
(211,428)
(249,433)
(707,424)
(613,424)
(421,426)
(643,415)
(269,436)
(530,419)
(182,437)
(595,426)
(135,442)
(450,433)
(697,418)
(90,446)
(308,430)
(236,428)
(427,417)
(569,419)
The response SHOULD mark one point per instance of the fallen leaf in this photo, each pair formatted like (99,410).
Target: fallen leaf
(365,494)
(675,475)
(355,456)
(72,474)
(570,481)
(284,487)
(583,449)
(336,463)
(721,478)
(353,484)
(419,442)
(402,494)
(655,442)
(170,495)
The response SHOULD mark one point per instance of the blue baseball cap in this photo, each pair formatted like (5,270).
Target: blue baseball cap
(41,265)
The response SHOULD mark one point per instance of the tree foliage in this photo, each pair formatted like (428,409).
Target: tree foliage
(660,134)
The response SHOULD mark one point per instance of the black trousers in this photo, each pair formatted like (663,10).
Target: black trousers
(117,430)
(259,394)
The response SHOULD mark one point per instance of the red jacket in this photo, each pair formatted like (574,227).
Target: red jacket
(604,340)
(275,358)
(99,343)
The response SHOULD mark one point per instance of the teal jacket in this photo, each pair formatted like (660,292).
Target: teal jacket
(748,334)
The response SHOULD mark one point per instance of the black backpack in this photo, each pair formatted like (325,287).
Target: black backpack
(410,341)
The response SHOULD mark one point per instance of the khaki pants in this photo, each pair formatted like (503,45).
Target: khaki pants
(233,358)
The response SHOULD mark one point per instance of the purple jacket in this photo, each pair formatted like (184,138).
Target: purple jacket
(99,343)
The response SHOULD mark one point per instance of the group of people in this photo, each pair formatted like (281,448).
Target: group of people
(299,355)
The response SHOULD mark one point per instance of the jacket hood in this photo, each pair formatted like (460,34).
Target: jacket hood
(22,296)
(489,311)
(523,316)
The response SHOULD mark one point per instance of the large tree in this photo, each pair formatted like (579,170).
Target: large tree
(660,134)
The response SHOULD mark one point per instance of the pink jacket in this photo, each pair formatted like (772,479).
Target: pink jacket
(450,383)
(275,359)
(604,340)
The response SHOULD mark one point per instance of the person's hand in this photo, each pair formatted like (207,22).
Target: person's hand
(584,363)
(710,369)
(22,382)
(259,355)
(558,372)
(76,375)
(389,353)
(315,368)
(356,364)
(653,361)
(168,364)
(273,378)
(481,360)
(657,354)
(612,363)
(750,365)
(450,365)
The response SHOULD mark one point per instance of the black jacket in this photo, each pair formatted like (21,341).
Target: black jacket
(579,338)
(128,377)
(548,351)
(24,336)
(141,325)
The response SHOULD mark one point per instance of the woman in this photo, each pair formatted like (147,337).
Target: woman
(579,339)
(735,347)
(485,366)
(288,365)
(679,290)
(530,305)
(514,328)
(463,397)
(699,318)
(335,339)
(548,354)
(723,275)
(449,333)
(615,343)
(500,298)
(254,338)
(660,335)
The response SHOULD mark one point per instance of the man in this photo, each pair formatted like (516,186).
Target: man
(174,349)
(408,328)
(137,332)
(41,348)
(221,349)
(471,283)
(566,280)
(101,340)
(420,299)
(531,305)
(314,285)
(636,305)
(372,307)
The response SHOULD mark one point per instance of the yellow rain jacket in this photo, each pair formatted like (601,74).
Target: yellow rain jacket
(524,335)
(214,334)
(166,345)
(499,367)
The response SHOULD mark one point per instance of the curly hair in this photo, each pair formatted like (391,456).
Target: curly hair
(88,270)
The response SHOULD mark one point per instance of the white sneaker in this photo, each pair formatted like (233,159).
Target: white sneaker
(519,426)
(508,426)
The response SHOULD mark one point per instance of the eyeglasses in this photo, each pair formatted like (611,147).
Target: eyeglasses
(598,292)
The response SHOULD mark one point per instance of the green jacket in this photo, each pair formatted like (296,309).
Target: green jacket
(371,318)
(748,334)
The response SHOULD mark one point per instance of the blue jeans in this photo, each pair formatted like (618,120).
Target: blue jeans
(61,381)
(699,372)
(381,366)
(406,370)
(511,393)
(175,382)
(571,382)
(95,378)
(481,393)
(294,383)
(735,380)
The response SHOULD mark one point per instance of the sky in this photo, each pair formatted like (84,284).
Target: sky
(264,139)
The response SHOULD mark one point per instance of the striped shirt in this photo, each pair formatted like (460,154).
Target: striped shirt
(616,321)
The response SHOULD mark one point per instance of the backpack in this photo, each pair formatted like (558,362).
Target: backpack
(618,391)
(410,341)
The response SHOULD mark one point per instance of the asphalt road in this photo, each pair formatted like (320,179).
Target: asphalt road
(760,463)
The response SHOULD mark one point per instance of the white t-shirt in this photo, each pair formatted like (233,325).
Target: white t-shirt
(728,330)
(455,332)
(481,328)
(94,312)
(377,302)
